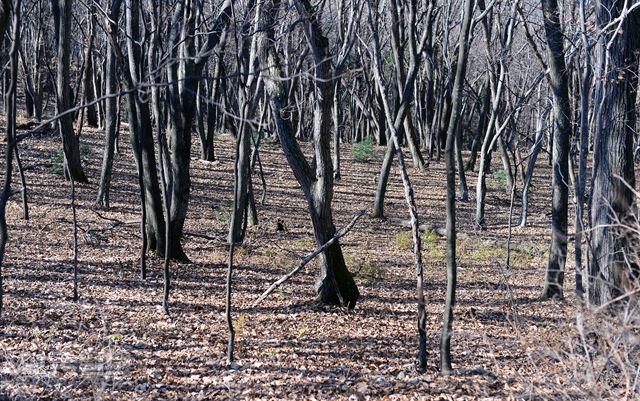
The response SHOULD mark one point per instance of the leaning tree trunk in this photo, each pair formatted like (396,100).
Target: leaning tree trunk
(335,283)
(611,200)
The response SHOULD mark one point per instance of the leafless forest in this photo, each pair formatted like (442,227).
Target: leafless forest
(333,199)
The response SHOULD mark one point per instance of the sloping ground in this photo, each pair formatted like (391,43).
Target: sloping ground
(116,342)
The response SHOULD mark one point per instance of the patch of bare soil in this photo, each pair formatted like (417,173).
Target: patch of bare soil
(116,342)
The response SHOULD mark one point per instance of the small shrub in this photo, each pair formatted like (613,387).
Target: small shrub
(239,326)
(302,333)
(85,149)
(473,251)
(57,163)
(57,160)
(404,240)
(365,268)
(243,250)
(222,211)
(305,244)
(363,150)
(501,178)
(434,251)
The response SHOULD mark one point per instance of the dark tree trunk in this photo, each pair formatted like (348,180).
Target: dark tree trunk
(611,200)
(10,101)
(62,11)
(533,156)
(485,96)
(183,76)
(454,121)
(89,72)
(142,136)
(335,284)
(111,107)
(558,79)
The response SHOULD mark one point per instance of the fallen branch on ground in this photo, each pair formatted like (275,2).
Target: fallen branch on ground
(201,235)
(309,258)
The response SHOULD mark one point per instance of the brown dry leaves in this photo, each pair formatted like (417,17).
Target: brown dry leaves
(116,343)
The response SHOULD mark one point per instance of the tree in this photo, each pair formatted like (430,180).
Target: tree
(456,106)
(141,132)
(111,105)
(62,13)
(418,44)
(184,71)
(5,12)
(611,200)
(558,79)
(335,284)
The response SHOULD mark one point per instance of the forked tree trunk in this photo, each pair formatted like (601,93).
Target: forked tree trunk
(141,134)
(183,75)
(335,283)
(62,12)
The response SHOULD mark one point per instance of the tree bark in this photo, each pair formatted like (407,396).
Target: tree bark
(62,12)
(454,121)
(183,74)
(10,101)
(335,284)
(142,135)
(111,107)
(613,177)
(558,79)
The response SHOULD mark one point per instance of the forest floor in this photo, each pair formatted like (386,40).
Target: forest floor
(117,343)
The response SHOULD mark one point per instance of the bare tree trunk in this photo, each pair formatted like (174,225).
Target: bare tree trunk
(62,11)
(111,107)
(183,73)
(558,78)
(10,101)
(585,91)
(392,125)
(533,156)
(335,284)
(248,99)
(141,134)
(454,121)
(611,200)
(89,72)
